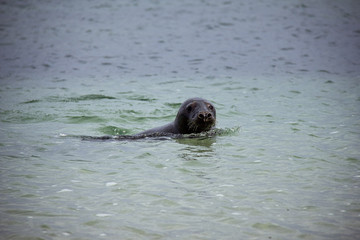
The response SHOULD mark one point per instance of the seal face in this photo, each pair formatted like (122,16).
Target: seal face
(195,115)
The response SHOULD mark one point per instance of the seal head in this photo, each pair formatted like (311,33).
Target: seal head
(195,115)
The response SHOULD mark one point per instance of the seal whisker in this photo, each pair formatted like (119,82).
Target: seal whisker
(193,126)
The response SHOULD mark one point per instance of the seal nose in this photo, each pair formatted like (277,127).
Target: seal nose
(204,115)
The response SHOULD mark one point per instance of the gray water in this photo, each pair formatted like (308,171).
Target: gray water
(284,77)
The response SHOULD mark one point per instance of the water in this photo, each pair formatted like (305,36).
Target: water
(283,76)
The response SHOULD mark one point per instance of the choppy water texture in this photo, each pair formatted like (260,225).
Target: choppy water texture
(283,76)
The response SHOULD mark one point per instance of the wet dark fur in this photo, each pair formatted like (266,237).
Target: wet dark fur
(195,115)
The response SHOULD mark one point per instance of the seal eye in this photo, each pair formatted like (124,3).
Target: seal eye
(188,108)
(211,107)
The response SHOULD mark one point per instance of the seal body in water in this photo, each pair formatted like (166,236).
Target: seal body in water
(195,115)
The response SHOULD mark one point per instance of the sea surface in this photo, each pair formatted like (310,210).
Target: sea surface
(284,77)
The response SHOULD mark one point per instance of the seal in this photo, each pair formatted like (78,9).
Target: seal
(195,115)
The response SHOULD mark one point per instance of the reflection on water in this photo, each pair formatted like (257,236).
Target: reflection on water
(204,142)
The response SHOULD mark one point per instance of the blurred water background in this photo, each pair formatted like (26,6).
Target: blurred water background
(284,77)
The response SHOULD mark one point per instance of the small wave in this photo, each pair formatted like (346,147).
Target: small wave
(141,98)
(90,97)
(31,101)
(87,97)
(17,116)
(84,119)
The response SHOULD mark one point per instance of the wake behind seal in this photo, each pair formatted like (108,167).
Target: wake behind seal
(195,115)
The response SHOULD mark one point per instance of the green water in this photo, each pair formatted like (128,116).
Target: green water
(283,76)
(288,166)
